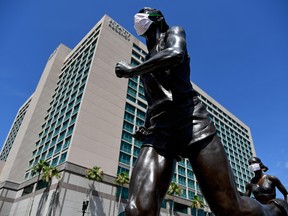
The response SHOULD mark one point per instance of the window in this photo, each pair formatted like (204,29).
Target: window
(124,158)
(63,157)
(58,147)
(133,99)
(121,169)
(182,180)
(28,189)
(142,104)
(46,146)
(190,174)
(54,161)
(131,92)
(67,143)
(136,151)
(128,127)
(180,208)
(62,135)
(127,136)
(139,122)
(191,195)
(53,141)
(130,108)
(50,152)
(70,130)
(126,147)
(73,119)
(138,143)
(136,55)
(190,183)
(134,62)
(141,114)
(129,117)
(181,170)
(132,84)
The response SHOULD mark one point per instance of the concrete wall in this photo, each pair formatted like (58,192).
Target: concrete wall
(65,197)
(97,136)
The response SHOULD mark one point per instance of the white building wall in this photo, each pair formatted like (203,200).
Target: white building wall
(96,139)
(21,151)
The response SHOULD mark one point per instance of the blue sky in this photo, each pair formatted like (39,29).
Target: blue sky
(238,49)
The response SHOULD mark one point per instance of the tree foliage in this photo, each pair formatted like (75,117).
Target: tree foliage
(38,168)
(197,202)
(49,172)
(122,179)
(174,189)
(95,174)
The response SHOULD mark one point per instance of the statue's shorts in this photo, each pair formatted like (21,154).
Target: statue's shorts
(175,131)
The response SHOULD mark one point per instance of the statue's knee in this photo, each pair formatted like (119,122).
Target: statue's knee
(134,210)
(131,210)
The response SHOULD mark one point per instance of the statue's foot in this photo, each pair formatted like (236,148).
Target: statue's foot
(281,204)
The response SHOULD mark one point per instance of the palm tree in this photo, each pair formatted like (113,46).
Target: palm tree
(49,172)
(174,189)
(197,203)
(121,179)
(38,168)
(95,174)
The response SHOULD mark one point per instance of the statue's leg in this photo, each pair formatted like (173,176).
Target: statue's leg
(214,174)
(149,182)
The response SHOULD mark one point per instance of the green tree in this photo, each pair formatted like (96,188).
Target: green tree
(37,169)
(197,203)
(49,172)
(121,179)
(174,189)
(94,174)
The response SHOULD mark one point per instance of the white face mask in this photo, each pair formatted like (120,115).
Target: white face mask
(142,23)
(254,167)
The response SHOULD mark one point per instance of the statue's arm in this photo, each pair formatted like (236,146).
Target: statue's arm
(147,119)
(171,55)
(279,186)
(248,190)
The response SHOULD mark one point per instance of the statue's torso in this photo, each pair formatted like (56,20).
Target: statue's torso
(264,191)
(166,88)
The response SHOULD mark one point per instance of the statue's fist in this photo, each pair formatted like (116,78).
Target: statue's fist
(140,133)
(122,69)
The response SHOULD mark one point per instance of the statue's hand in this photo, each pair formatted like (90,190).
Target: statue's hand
(123,69)
(140,133)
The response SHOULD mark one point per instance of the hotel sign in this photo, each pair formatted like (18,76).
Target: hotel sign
(119,29)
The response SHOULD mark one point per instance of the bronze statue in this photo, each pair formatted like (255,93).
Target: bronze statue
(264,186)
(177,126)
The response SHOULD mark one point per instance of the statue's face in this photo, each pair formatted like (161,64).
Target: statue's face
(254,167)
(144,20)
(142,23)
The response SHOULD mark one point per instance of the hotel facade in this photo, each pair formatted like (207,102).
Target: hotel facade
(81,115)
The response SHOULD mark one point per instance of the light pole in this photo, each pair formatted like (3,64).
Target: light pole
(85,205)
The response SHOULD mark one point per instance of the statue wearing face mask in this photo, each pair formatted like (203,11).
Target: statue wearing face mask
(177,126)
(255,167)
(263,186)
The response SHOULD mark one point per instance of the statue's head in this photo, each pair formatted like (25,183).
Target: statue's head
(255,161)
(148,17)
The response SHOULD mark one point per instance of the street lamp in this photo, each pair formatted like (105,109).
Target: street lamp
(85,205)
